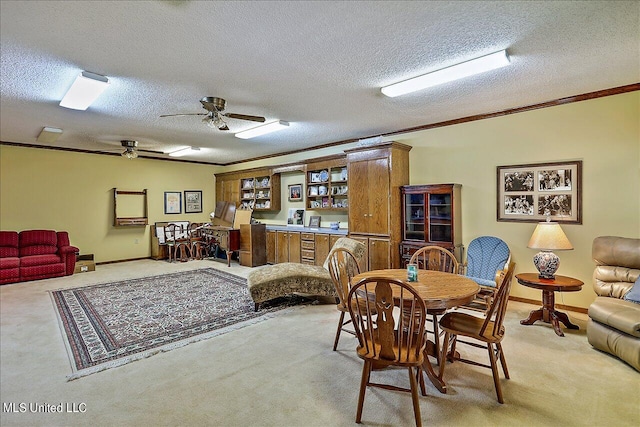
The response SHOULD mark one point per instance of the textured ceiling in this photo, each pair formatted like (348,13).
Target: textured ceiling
(318,65)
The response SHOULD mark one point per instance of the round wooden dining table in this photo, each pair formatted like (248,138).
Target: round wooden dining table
(440,291)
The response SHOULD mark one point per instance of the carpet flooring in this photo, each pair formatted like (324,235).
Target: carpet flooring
(283,373)
(111,324)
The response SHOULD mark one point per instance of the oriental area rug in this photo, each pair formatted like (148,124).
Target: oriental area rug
(111,324)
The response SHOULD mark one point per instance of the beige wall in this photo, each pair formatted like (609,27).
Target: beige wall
(72,191)
(69,191)
(604,133)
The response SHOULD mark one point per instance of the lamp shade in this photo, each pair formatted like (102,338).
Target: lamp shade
(550,237)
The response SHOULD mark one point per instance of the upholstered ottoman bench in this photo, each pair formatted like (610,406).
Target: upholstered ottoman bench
(273,281)
(278,280)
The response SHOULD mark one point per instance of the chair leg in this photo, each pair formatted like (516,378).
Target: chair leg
(494,369)
(366,371)
(503,361)
(443,356)
(335,343)
(420,376)
(414,397)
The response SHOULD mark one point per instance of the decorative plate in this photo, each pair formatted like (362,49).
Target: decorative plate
(324,176)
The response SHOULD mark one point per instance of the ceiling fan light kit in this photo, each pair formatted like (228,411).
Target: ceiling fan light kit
(459,71)
(129,148)
(263,129)
(84,91)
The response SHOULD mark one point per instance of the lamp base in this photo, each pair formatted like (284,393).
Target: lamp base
(547,264)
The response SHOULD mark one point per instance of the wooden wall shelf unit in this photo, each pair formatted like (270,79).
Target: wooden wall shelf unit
(431,215)
(122,214)
(376,174)
(327,185)
(258,189)
(260,192)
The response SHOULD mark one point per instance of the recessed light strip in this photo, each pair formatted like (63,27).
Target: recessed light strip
(263,129)
(465,69)
(85,89)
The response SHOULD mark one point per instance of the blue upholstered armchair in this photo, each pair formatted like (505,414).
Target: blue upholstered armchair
(487,257)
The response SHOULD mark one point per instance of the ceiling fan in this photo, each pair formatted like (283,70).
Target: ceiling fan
(131,149)
(214,118)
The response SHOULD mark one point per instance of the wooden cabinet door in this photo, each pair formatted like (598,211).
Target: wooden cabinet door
(332,240)
(359,191)
(271,247)
(295,253)
(282,247)
(231,191)
(322,248)
(378,189)
(379,253)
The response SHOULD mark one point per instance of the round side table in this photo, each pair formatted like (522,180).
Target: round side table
(547,313)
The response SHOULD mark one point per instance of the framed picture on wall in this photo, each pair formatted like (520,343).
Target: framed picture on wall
(192,201)
(172,202)
(295,193)
(531,193)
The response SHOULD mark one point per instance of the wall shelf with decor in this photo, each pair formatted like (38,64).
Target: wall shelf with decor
(327,186)
(260,193)
(130,208)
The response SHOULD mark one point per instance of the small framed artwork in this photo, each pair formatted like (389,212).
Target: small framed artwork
(535,192)
(314,222)
(172,202)
(295,193)
(295,218)
(192,201)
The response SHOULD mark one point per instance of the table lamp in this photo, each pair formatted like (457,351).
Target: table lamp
(548,236)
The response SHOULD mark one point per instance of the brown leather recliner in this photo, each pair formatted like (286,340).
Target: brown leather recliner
(614,323)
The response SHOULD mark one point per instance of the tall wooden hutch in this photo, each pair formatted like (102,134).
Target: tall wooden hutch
(375,175)
(431,215)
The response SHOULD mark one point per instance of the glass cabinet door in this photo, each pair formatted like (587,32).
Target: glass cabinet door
(440,224)
(414,217)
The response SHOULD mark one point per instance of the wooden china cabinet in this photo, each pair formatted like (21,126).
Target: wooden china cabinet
(431,215)
(376,174)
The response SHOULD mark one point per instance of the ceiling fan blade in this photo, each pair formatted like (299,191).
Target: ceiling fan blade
(187,114)
(245,117)
(149,151)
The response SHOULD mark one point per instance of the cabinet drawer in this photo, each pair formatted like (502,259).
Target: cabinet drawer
(307,236)
(307,261)
(311,245)
(307,254)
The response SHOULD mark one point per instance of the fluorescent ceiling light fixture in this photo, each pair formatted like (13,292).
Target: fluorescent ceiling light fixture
(49,135)
(86,89)
(465,69)
(263,129)
(183,151)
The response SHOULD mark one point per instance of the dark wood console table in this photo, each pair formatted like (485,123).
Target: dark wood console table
(547,313)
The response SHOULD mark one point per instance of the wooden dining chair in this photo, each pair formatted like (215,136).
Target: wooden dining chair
(489,331)
(435,258)
(439,259)
(394,339)
(343,266)
(198,244)
(177,241)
